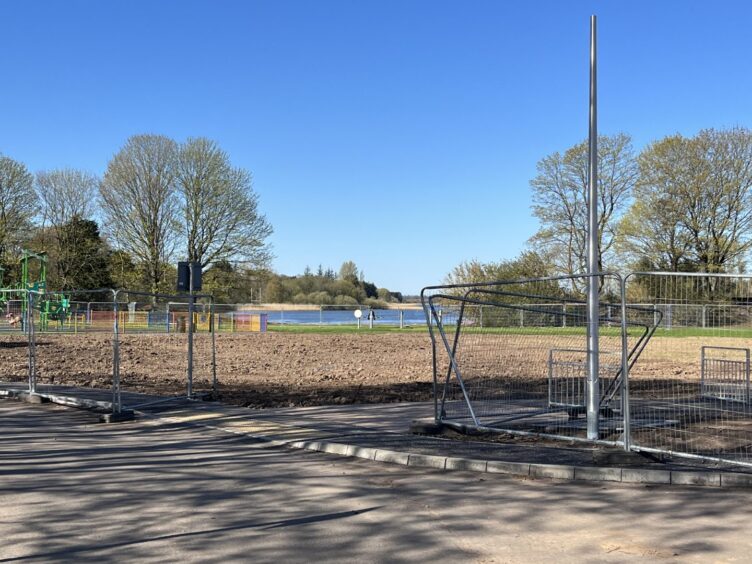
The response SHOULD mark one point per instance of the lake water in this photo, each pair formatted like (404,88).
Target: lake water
(339,317)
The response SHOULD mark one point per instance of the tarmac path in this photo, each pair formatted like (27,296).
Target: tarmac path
(72,489)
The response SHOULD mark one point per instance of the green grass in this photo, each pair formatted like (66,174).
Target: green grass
(605,331)
(343,329)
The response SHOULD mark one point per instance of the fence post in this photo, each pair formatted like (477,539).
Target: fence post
(31,336)
(626,416)
(212,328)
(564,317)
(402,318)
(115,355)
(481,316)
(191,309)
(704,308)
(321,315)
(522,318)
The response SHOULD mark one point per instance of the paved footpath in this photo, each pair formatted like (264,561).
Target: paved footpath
(160,489)
(381,433)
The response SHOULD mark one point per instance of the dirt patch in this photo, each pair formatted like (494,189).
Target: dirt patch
(259,370)
(288,369)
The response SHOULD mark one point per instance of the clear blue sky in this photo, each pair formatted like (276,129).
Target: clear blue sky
(398,134)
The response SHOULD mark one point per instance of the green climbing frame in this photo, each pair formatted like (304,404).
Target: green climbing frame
(51,306)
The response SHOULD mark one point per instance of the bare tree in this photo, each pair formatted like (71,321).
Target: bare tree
(18,204)
(138,199)
(219,207)
(67,200)
(65,194)
(560,201)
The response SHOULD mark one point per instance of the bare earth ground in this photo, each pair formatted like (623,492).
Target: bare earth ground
(307,369)
(289,369)
(260,370)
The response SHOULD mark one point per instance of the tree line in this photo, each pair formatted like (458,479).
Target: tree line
(683,204)
(348,287)
(158,201)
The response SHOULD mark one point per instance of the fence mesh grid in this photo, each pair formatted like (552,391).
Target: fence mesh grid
(13,336)
(689,392)
(154,331)
(68,351)
(513,355)
(82,340)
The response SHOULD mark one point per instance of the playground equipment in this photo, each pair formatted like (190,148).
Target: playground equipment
(32,295)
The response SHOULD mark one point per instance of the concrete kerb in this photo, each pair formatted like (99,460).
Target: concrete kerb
(517,469)
(109,416)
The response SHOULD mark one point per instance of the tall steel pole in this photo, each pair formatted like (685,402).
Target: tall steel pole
(593,306)
(191,309)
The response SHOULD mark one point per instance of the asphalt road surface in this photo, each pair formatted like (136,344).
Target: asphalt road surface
(72,489)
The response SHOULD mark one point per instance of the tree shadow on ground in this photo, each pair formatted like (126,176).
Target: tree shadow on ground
(150,491)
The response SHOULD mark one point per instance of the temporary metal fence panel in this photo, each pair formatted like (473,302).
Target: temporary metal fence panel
(66,352)
(12,311)
(157,338)
(509,376)
(689,391)
(105,339)
(567,377)
(15,338)
(724,373)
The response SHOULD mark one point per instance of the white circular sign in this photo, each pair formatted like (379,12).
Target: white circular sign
(358,314)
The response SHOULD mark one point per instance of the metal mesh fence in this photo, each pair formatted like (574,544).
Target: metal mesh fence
(154,341)
(69,351)
(690,389)
(514,355)
(14,338)
(103,339)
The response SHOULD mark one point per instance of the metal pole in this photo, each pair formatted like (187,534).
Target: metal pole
(626,415)
(31,336)
(593,307)
(213,329)
(115,355)
(189,389)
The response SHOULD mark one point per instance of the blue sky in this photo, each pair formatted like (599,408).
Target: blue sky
(398,134)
